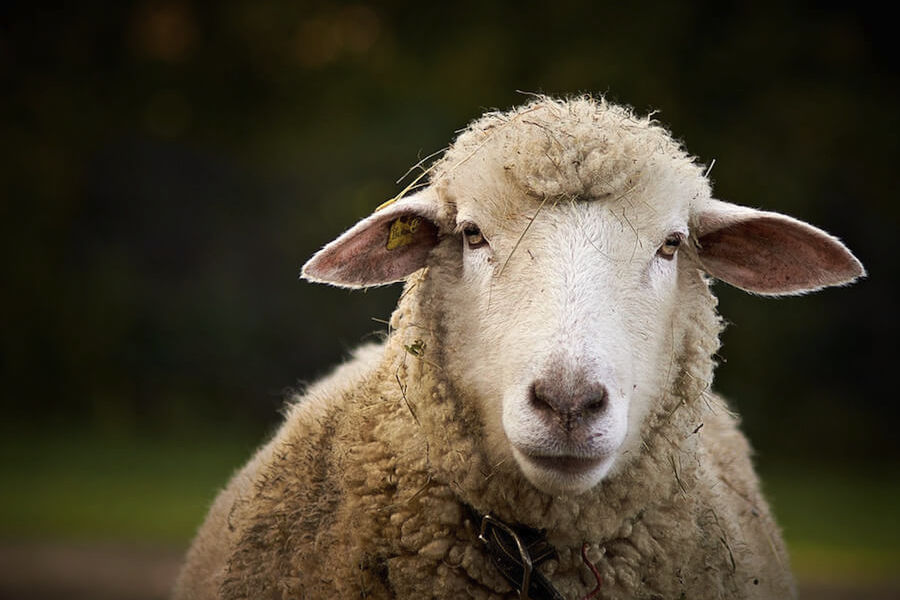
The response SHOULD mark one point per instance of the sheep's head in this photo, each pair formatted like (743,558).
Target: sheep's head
(568,237)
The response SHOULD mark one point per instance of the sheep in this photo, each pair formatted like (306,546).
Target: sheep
(538,422)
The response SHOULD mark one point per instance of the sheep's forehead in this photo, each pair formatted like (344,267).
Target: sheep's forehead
(575,150)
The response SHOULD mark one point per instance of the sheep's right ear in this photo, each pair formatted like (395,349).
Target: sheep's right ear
(383,248)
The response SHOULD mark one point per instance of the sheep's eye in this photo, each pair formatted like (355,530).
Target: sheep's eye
(473,236)
(670,246)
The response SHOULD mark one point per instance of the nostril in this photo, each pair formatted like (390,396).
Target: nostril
(541,398)
(596,400)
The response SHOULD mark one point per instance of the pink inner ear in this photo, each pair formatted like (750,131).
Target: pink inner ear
(772,254)
(360,257)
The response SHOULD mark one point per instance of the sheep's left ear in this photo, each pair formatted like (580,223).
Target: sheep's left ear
(769,253)
(383,248)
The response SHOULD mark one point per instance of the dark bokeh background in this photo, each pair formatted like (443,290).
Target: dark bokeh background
(168,166)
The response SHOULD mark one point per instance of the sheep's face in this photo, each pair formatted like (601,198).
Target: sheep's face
(564,237)
(564,311)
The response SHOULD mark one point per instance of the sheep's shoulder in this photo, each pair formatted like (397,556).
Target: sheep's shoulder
(282,502)
(738,512)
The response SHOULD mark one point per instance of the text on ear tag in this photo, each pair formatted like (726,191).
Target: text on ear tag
(401,233)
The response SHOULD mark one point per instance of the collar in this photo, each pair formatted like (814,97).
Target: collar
(516,550)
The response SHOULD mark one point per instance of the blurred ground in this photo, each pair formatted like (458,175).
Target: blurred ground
(87,570)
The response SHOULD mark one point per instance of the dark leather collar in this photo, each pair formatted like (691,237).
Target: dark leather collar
(516,550)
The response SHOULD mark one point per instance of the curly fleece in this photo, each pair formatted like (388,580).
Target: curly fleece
(362,492)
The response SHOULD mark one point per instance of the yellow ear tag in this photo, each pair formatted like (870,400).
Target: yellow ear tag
(402,231)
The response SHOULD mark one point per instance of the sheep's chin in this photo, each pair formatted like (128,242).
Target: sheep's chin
(563,475)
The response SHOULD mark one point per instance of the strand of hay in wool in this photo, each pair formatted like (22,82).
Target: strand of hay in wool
(406,400)
(724,540)
(406,292)
(672,412)
(767,531)
(419,277)
(521,237)
(572,200)
(418,493)
(672,355)
(677,476)
(601,252)
(627,191)
(757,513)
(785,570)
(551,137)
(386,322)
(612,211)
(488,139)
(493,472)
(419,164)
(415,182)
(537,95)
(637,237)
(755,508)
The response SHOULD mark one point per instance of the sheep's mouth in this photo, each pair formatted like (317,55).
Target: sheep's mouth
(570,465)
(562,473)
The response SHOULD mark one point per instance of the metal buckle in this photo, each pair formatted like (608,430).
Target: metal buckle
(523,551)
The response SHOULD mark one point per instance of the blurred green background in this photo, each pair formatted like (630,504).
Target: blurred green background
(168,166)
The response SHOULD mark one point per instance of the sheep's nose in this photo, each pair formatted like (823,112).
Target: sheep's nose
(571,404)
